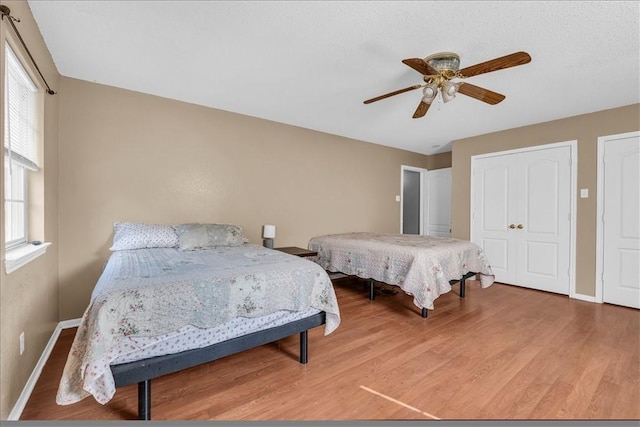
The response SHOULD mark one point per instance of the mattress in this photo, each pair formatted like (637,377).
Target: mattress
(190,337)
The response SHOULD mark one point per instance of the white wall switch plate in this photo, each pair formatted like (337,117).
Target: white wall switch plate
(397,198)
(584,193)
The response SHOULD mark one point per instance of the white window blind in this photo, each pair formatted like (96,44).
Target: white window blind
(20,114)
(22,125)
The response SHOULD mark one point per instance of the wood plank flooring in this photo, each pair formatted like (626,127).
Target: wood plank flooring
(500,353)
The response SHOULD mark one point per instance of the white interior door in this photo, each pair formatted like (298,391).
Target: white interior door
(621,222)
(494,197)
(543,219)
(521,216)
(438,203)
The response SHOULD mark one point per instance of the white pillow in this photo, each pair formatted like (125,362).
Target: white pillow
(134,235)
(203,236)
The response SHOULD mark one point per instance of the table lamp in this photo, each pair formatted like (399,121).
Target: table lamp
(268,234)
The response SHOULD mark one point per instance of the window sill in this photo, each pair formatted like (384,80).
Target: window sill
(23,255)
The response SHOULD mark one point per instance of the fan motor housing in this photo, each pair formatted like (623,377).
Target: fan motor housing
(444,61)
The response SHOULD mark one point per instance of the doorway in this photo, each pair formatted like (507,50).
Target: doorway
(411,200)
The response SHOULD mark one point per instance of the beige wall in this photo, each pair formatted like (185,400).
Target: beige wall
(439,161)
(585,129)
(29,295)
(127,156)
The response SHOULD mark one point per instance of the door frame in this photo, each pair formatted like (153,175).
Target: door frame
(602,140)
(573,146)
(423,175)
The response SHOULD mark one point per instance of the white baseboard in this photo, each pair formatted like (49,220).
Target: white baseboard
(66,324)
(16,412)
(581,297)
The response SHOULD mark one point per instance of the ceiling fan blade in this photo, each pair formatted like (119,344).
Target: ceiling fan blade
(479,93)
(387,95)
(518,58)
(420,66)
(422,109)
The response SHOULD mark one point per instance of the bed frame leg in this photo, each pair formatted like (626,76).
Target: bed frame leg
(462,288)
(304,347)
(425,312)
(144,400)
(372,290)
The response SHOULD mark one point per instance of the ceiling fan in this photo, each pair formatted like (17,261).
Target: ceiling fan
(439,70)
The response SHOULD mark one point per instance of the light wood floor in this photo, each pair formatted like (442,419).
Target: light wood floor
(501,353)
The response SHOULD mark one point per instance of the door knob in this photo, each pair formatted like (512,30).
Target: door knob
(512,226)
(520,226)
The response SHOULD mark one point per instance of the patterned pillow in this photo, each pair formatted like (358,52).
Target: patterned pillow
(202,236)
(133,235)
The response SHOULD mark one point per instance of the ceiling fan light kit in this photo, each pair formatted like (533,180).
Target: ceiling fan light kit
(438,71)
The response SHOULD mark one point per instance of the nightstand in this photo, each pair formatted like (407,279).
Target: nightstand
(292,250)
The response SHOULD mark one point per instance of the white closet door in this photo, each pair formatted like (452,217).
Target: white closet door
(621,245)
(543,219)
(439,203)
(521,217)
(494,201)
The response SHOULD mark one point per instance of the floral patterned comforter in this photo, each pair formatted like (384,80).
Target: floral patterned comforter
(149,292)
(421,265)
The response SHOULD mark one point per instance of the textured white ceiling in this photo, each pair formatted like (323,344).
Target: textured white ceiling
(313,63)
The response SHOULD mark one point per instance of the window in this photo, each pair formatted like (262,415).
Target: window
(22,129)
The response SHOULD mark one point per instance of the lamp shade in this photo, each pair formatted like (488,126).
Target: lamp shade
(449,91)
(269,231)
(430,91)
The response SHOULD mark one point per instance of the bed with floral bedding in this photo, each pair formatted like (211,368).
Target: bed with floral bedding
(173,297)
(422,266)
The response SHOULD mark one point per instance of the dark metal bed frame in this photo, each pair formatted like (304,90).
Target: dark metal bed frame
(372,292)
(143,371)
